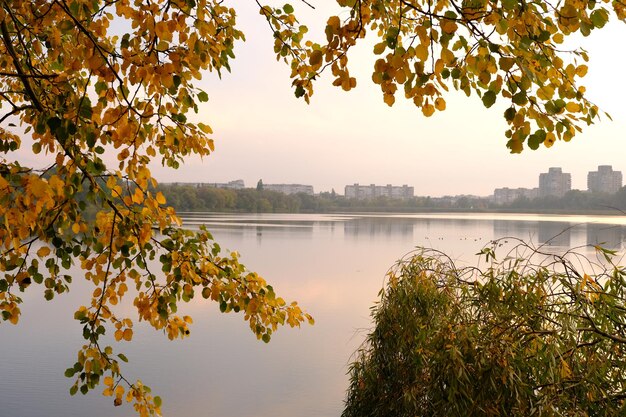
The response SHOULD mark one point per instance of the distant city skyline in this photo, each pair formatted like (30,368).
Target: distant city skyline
(511,193)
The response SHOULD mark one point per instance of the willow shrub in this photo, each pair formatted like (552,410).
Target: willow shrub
(531,334)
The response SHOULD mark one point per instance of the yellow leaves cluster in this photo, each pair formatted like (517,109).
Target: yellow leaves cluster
(90,90)
(33,199)
(8,307)
(497,50)
(124,330)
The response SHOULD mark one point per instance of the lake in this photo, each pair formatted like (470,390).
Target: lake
(333,265)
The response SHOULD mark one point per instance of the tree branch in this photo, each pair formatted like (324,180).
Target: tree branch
(16,63)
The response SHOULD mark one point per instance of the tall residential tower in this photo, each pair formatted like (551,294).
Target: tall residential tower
(555,182)
(604,180)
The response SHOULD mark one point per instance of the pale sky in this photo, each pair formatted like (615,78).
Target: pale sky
(262,131)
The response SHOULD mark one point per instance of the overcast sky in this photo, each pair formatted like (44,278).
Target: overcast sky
(263,132)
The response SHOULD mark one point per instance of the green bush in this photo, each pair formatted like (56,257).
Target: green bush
(533,334)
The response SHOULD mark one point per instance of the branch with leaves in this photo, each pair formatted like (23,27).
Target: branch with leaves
(81,91)
(507,51)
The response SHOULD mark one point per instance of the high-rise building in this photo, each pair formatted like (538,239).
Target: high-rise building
(364,192)
(604,180)
(555,182)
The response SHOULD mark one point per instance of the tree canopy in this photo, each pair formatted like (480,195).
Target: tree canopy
(84,82)
(500,50)
(527,333)
(82,89)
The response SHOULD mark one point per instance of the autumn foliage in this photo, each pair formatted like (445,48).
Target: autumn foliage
(98,89)
(511,51)
(88,79)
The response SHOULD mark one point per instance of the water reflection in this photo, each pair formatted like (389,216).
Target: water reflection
(554,234)
(608,236)
(376,227)
(539,233)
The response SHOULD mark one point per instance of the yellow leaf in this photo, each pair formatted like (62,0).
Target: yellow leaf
(421,52)
(448,26)
(333,23)
(38,187)
(428,110)
(128,335)
(138,196)
(379,48)
(440,104)
(160,198)
(566,372)
(581,70)
(205,128)
(43,251)
(572,107)
(447,56)
(549,140)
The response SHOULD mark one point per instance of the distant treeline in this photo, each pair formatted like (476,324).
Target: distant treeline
(205,198)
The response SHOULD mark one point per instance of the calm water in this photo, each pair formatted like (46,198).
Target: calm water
(333,265)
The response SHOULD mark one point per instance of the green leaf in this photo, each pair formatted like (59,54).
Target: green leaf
(203,97)
(125,41)
(85,109)
(157,401)
(100,87)
(300,91)
(509,4)
(599,17)
(585,28)
(536,139)
(288,8)
(489,98)
(520,98)
(53,123)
